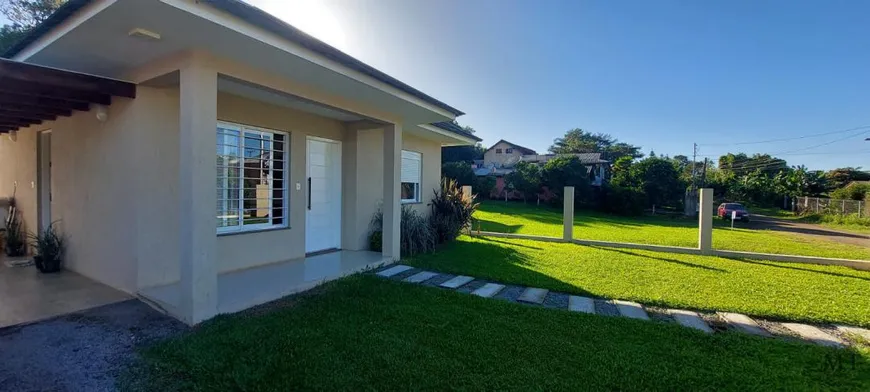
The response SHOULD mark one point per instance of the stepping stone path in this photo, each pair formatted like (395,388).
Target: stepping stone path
(488,290)
(581,304)
(690,319)
(813,334)
(420,277)
(863,333)
(686,318)
(631,310)
(457,282)
(533,295)
(744,324)
(392,271)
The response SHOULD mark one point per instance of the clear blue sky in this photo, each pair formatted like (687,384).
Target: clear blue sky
(661,74)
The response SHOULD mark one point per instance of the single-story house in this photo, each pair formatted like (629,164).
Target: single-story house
(206,156)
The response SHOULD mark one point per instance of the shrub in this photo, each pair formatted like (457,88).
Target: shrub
(459,171)
(417,235)
(622,200)
(485,186)
(16,241)
(855,191)
(566,171)
(451,212)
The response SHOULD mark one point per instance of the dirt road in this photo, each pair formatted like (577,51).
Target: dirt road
(807,229)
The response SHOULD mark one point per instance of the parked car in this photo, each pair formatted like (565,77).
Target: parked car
(725,210)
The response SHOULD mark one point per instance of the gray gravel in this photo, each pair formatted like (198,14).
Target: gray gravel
(83,351)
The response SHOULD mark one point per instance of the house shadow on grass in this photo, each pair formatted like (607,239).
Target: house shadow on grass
(492,260)
(665,259)
(496,227)
(797,267)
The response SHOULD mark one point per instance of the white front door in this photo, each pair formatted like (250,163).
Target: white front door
(323,213)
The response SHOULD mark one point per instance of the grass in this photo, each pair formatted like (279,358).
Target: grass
(515,217)
(366,333)
(785,291)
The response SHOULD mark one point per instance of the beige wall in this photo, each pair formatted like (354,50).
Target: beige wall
(18,165)
(499,159)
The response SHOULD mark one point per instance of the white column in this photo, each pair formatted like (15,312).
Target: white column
(196,191)
(392,206)
(705,221)
(568,214)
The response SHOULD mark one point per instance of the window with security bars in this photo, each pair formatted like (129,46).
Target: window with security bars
(252,177)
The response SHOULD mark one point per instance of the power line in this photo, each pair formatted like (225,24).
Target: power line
(824,144)
(788,139)
(803,153)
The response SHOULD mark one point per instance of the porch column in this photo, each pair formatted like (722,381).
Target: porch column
(196,191)
(392,206)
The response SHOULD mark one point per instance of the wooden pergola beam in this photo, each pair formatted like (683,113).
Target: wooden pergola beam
(17,122)
(26,116)
(30,73)
(37,89)
(47,103)
(34,110)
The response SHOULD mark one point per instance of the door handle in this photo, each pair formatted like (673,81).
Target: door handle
(309,193)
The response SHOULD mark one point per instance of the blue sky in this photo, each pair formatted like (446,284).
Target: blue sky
(661,74)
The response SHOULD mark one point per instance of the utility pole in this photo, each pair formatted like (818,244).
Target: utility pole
(704,175)
(694,157)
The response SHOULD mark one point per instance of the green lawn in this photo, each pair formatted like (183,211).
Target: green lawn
(515,217)
(773,290)
(367,333)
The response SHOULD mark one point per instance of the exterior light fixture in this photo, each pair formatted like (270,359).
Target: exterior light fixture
(13,135)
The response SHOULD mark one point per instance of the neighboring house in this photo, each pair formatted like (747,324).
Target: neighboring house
(500,159)
(200,153)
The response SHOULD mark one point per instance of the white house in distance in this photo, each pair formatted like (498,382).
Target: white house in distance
(501,158)
(207,156)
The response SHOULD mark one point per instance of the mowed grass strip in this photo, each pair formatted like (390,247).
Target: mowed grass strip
(516,217)
(786,291)
(367,333)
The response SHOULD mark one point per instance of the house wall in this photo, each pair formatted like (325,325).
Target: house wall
(490,156)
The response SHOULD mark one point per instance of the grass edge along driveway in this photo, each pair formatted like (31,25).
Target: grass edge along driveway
(766,289)
(365,332)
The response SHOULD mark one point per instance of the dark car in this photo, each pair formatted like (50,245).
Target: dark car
(725,210)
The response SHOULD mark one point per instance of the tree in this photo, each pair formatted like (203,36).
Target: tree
(565,171)
(578,141)
(24,15)
(526,178)
(465,128)
(461,153)
(841,177)
(458,171)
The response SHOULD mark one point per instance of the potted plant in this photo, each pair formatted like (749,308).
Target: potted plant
(49,246)
(16,243)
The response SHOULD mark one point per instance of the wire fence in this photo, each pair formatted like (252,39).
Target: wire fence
(820,205)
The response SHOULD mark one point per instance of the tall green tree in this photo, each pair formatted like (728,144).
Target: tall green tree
(462,153)
(526,178)
(24,15)
(565,171)
(578,141)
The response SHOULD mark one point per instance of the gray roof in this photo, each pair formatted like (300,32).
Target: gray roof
(258,18)
(452,127)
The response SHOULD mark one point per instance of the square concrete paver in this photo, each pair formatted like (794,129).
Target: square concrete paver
(690,319)
(394,270)
(631,310)
(533,295)
(488,290)
(814,334)
(581,304)
(456,282)
(744,324)
(420,277)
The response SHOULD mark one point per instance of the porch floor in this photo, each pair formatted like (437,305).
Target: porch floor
(26,295)
(242,289)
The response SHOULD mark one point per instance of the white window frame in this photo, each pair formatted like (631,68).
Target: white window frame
(413,155)
(241,227)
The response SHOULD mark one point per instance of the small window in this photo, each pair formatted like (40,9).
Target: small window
(252,178)
(498,151)
(509,151)
(412,173)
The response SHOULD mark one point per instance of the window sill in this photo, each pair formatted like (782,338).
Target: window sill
(405,203)
(243,232)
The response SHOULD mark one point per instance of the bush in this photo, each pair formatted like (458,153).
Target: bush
(854,191)
(485,186)
(16,241)
(417,235)
(622,200)
(459,171)
(566,171)
(451,212)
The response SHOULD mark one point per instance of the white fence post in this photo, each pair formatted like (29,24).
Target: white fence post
(568,214)
(705,221)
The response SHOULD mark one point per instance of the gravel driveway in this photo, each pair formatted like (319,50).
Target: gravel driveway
(83,351)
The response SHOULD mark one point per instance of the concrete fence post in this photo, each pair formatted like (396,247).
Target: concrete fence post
(568,214)
(705,221)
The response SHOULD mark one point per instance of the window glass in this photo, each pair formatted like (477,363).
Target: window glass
(412,172)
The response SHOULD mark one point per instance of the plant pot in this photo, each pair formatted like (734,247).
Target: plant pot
(14,251)
(46,265)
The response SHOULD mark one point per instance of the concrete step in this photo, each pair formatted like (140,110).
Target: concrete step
(688,318)
(744,324)
(815,335)
(488,290)
(631,310)
(420,277)
(533,296)
(457,282)
(394,270)
(581,304)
